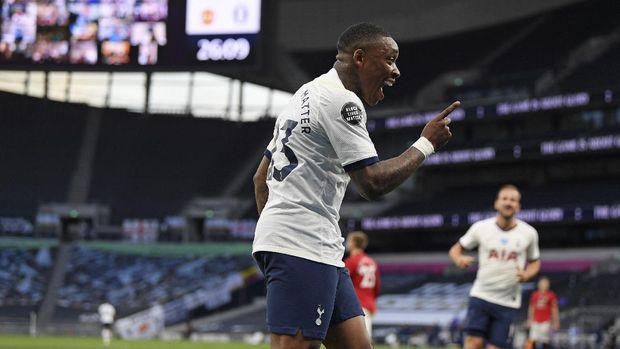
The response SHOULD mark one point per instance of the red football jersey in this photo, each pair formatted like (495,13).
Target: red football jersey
(543,303)
(366,279)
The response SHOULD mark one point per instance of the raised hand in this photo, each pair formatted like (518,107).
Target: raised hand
(437,130)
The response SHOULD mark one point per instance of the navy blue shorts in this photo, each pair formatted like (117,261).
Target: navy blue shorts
(490,321)
(306,295)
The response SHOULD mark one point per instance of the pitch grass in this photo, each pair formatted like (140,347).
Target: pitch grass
(23,342)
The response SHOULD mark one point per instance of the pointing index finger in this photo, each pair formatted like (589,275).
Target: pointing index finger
(448,110)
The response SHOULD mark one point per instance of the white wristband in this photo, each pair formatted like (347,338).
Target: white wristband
(424,146)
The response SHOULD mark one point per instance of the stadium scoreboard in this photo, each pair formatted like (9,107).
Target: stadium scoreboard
(130,34)
(222,30)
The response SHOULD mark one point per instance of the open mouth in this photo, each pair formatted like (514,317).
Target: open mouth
(386,83)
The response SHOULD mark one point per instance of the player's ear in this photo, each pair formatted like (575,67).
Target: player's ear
(359,57)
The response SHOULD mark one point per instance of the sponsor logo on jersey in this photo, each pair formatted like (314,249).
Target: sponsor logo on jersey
(352,113)
(503,255)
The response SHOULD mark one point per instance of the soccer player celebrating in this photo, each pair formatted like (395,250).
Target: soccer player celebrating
(364,275)
(320,143)
(543,314)
(508,255)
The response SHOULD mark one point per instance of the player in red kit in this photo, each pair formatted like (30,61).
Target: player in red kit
(364,274)
(543,314)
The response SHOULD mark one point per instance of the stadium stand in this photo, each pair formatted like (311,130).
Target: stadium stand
(544,50)
(133,283)
(23,279)
(247,322)
(43,149)
(501,61)
(40,142)
(513,73)
(136,155)
(603,72)
(420,69)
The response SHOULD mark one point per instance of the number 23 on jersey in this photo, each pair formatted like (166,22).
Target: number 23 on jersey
(282,147)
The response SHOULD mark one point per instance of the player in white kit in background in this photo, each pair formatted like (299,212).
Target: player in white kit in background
(106,317)
(508,255)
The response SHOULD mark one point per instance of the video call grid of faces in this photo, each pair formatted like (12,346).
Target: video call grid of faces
(84,32)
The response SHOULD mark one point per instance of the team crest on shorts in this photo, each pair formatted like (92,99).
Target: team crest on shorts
(352,113)
(320,311)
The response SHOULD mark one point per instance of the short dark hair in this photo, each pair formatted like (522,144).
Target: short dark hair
(359,34)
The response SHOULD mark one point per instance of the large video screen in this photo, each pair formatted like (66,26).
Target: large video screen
(84,32)
(95,34)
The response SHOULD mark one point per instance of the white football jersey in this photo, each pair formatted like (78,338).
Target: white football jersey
(500,254)
(106,313)
(319,136)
